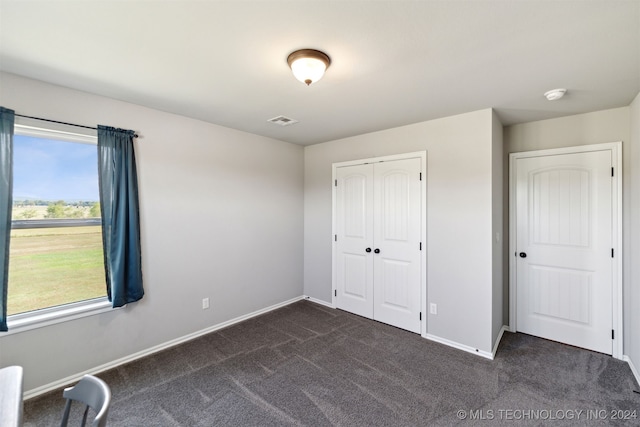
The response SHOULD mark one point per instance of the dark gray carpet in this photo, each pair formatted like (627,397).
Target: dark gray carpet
(306,364)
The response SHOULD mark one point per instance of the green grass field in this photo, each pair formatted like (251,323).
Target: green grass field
(54,266)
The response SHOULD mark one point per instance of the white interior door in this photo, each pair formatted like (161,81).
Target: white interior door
(564,248)
(354,228)
(378,232)
(397,238)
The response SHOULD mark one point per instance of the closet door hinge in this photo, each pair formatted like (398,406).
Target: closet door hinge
(335,292)
(420,245)
(335,237)
(420,315)
(611,171)
(611,252)
(335,183)
(420,176)
(613,334)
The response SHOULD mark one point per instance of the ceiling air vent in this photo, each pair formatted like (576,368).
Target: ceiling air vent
(283,121)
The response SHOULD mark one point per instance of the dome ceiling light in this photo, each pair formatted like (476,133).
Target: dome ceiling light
(308,65)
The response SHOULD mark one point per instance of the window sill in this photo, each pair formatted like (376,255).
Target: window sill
(51,316)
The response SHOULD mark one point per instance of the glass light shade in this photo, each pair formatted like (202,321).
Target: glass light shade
(308,65)
(308,70)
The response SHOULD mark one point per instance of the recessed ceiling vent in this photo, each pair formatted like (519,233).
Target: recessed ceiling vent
(283,121)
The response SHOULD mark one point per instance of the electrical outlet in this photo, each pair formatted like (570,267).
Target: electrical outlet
(205,303)
(433,308)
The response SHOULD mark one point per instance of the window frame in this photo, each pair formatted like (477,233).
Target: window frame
(61,313)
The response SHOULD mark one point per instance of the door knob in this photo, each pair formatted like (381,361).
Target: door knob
(368,250)
(377,251)
(523,255)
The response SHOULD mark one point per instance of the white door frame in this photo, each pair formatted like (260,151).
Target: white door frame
(422,155)
(616,233)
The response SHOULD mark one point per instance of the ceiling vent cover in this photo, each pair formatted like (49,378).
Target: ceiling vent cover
(283,121)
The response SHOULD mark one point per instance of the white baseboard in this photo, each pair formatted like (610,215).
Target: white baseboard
(444,341)
(633,368)
(130,358)
(459,346)
(319,301)
(504,329)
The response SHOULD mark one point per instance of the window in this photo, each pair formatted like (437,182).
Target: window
(56,262)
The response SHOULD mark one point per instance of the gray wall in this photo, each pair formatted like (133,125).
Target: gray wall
(594,128)
(632,283)
(498,220)
(221,217)
(460,221)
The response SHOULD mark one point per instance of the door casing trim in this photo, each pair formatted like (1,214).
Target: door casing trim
(616,205)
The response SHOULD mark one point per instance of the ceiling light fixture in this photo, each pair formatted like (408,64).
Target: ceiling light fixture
(308,65)
(555,94)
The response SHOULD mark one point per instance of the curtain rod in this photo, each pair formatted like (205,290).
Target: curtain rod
(135,135)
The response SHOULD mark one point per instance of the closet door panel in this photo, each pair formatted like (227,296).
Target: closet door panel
(354,224)
(396,219)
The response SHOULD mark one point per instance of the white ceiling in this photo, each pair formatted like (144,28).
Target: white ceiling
(393,62)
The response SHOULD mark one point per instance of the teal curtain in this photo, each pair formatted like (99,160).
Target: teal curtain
(120,215)
(7,118)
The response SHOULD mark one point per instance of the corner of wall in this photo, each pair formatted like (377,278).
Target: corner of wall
(632,284)
(498,225)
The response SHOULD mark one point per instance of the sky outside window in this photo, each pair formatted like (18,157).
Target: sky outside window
(46,169)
